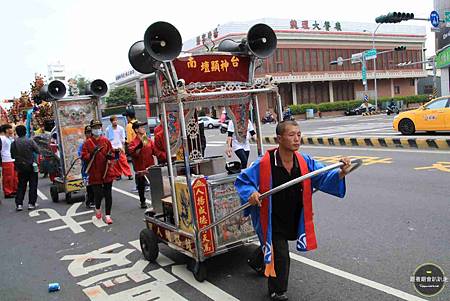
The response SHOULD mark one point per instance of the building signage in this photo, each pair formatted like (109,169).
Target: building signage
(443,58)
(307,25)
(126,74)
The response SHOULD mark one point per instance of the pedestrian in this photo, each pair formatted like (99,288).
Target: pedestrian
(142,151)
(90,200)
(98,152)
(240,145)
(10,181)
(116,135)
(131,118)
(25,151)
(286,215)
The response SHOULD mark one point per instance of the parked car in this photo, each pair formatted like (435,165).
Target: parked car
(209,122)
(359,111)
(152,123)
(432,116)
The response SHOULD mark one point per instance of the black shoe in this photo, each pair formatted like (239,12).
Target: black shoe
(130,177)
(143,206)
(90,205)
(119,178)
(19,208)
(278,297)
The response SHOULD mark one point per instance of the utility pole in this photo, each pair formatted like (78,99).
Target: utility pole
(375,67)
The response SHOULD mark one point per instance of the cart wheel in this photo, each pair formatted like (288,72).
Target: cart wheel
(54,193)
(149,245)
(68,197)
(200,271)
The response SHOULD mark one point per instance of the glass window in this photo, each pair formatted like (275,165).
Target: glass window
(397,89)
(301,59)
(320,59)
(438,104)
(294,62)
(307,60)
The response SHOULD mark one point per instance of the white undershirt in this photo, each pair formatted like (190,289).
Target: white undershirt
(6,149)
(235,143)
(117,142)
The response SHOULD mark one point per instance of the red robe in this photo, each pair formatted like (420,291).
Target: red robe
(144,158)
(100,163)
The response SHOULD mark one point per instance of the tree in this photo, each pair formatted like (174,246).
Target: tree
(82,84)
(121,96)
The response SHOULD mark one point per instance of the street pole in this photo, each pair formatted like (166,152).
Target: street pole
(364,67)
(435,88)
(375,68)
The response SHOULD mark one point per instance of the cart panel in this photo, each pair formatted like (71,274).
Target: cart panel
(225,199)
(72,116)
(171,236)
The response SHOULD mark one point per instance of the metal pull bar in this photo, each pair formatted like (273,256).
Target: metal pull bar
(355,163)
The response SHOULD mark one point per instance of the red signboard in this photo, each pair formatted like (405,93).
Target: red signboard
(212,68)
(203,215)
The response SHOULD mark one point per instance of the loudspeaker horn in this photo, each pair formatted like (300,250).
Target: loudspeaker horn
(261,40)
(229,45)
(162,41)
(140,59)
(54,90)
(97,88)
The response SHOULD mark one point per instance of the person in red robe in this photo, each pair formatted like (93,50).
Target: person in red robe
(9,174)
(98,152)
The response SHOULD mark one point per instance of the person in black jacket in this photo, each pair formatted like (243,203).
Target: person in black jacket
(24,151)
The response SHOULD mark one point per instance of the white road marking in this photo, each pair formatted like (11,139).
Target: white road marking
(128,193)
(378,286)
(205,287)
(41,195)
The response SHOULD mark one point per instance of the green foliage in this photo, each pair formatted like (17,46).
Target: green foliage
(82,84)
(350,104)
(113,111)
(121,96)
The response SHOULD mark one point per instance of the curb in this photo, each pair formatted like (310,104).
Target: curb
(406,143)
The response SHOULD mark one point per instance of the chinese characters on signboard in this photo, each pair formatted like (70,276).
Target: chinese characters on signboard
(326,26)
(203,214)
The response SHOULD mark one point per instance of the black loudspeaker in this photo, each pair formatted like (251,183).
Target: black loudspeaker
(140,59)
(54,90)
(97,88)
(261,40)
(162,41)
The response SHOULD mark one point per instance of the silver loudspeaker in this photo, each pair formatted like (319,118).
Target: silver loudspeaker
(54,90)
(162,41)
(97,88)
(140,59)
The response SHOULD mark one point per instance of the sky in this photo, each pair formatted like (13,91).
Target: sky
(92,37)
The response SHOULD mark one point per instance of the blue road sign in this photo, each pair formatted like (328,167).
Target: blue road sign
(366,97)
(434,18)
(364,74)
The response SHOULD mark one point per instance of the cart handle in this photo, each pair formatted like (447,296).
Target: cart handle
(355,163)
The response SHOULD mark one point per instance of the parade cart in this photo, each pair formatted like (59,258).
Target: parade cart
(195,207)
(72,114)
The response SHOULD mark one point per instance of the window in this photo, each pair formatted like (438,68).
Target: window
(412,82)
(438,104)
(428,89)
(396,89)
(307,60)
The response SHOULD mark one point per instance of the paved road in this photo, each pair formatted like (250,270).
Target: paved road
(361,126)
(394,218)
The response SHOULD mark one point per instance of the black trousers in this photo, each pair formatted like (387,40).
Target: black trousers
(24,179)
(243,156)
(90,199)
(141,182)
(282,263)
(100,191)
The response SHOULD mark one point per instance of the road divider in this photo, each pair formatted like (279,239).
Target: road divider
(377,142)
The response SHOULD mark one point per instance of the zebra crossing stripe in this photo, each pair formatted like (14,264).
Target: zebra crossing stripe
(384,142)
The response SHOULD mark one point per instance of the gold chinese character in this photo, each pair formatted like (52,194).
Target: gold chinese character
(199,192)
(205,67)
(201,210)
(235,61)
(442,166)
(215,66)
(207,247)
(201,200)
(191,63)
(224,65)
(205,238)
(203,220)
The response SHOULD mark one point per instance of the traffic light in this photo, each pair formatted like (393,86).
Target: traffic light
(400,48)
(394,17)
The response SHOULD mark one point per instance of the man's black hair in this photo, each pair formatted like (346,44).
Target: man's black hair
(281,126)
(21,130)
(6,126)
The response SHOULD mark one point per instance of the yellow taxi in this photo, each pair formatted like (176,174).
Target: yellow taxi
(432,116)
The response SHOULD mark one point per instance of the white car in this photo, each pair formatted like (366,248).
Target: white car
(209,122)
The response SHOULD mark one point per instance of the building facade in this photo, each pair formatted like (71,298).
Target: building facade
(301,62)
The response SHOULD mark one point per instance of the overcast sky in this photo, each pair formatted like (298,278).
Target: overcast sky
(92,37)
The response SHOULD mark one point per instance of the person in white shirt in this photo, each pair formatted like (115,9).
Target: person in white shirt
(116,134)
(9,175)
(240,148)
